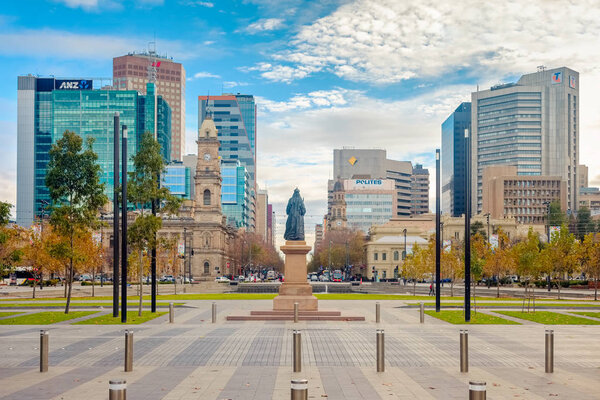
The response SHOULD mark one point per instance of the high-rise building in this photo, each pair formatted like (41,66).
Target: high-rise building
(419,190)
(522,197)
(582,176)
(178,179)
(532,124)
(453,160)
(134,70)
(235,197)
(262,200)
(349,163)
(318,237)
(47,107)
(270,225)
(235,118)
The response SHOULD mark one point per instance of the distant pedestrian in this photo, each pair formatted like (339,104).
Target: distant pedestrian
(431,289)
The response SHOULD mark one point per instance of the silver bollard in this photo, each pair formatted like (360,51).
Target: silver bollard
(477,390)
(297,351)
(377,312)
(464,350)
(171,313)
(214,312)
(549,351)
(299,389)
(380,351)
(128,350)
(117,389)
(422,312)
(296,305)
(44,350)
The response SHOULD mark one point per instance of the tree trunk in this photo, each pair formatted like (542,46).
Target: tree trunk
(498,287)
(415,287)
(141,283)
(452,288)
(93,281)
(70,282)
(558,284)
(596,291)
(34,284)
(65,280)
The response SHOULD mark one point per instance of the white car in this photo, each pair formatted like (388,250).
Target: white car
(222,279)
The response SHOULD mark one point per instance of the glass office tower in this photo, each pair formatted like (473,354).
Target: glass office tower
(235,193)
(47,107)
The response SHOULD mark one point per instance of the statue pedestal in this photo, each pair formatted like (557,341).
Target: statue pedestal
(295,288)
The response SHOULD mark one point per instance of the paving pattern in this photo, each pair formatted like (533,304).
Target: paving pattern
(195,359)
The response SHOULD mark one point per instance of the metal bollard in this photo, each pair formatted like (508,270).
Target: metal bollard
(464,350)
(422,312)
(549,351)
(117,389)
(377,312)
(214,312)
(296,312)
(171,313)
(380,351)
(128,350)
(297,351)
(299,389)
(477,390)
(44,350)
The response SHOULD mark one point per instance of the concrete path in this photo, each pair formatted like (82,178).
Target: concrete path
(195,359)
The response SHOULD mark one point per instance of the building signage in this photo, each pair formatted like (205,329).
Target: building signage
(79,84)
(572,81)
(557,77)
(368,181)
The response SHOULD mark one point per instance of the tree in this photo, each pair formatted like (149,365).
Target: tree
(584,223)
(560,257)
(73,180)
(12,240)
(347,248)
(478,228)
(415,265)
(143,190)
(39,253)
(91,256)
(452,266)
(556,217)
(501,261)
(4,213)
(527,258)
(480,251)
(589,255)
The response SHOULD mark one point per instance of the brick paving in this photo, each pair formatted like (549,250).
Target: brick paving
(196,359)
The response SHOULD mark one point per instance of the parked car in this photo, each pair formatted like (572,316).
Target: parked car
(167,279)
(222,279)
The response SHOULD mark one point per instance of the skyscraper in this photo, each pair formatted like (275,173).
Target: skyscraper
(47,107)
(532,124)
(134,70)
(453,160)
(419,190)
(235,119)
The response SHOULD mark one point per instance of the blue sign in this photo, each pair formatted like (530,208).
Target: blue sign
(368,182)
(79,84)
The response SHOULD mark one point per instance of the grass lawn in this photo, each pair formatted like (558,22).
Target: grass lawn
(44,318)
(549,318)
(589,314)
(520,304)
(457,317)
(8,313)
(78,304)
(132,318)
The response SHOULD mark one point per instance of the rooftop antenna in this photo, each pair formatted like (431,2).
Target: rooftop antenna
(154,64)
(208,112)
(541,68)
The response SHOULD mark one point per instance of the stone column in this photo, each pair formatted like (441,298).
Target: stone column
(295,288)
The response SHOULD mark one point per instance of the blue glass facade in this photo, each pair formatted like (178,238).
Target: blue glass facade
(453,160)
(177,177)
(89,113)
(235,193)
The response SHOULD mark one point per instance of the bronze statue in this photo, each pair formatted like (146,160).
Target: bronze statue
(294,226)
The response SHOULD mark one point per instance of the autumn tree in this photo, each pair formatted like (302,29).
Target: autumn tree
(501,261)
(527,258)
(73,180)
(416,265)
(560,257)
(341,246)
(38,253)
(589,256)
(91,257)
(452,266)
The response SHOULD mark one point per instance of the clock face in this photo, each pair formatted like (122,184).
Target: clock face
(339,223)
(207,157)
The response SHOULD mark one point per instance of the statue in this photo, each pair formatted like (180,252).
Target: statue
(294,226)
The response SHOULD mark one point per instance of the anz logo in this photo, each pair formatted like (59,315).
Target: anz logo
(75,85)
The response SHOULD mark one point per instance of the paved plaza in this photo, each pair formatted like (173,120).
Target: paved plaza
(196,359)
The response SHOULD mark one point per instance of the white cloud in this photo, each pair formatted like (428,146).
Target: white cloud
(232,84)
(206,4)
(92,5)
(203,75)
(383,41)
(266,24)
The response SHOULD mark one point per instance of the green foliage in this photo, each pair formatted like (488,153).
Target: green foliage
(44,318)
(478,228)
(527,257)
(4,213)
(584,223)
(550,318)
(132,318)
(556,216)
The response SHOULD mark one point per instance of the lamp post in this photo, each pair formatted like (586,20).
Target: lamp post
(116,216)
(404,253)
(124,229)
(185,255)
(467,228)
(437,231)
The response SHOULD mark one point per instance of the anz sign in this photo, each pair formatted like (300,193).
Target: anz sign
(82,84)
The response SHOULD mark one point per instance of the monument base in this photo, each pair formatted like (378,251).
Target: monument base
(295,288)
(286,303)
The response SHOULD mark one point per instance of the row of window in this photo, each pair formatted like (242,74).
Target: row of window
(396,256)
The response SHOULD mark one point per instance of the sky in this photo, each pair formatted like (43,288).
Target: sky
(326,74)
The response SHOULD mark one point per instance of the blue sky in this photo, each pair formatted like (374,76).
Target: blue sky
(326,74)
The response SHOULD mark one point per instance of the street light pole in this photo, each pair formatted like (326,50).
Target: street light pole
(437,231)
(404,254)
(467,228)
(116,241)
(124,229)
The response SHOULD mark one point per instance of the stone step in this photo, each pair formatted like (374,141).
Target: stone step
(300,313)
(291,318)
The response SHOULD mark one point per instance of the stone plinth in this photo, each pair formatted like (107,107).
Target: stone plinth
(295,288)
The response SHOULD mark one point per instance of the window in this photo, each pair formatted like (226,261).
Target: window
(383,256)
(207,197)
(396,255)
(206,267)
(375,256)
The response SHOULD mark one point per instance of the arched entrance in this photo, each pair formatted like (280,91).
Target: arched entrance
(206,268)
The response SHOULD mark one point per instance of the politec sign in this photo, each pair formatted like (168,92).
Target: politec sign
(369,184)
